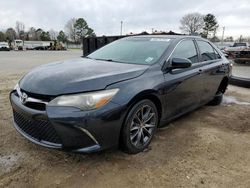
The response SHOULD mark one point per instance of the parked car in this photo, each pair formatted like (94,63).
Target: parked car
(239,52)
(241,44)
(120,94)
(4,46)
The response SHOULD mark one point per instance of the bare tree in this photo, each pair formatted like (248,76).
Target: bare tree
(20,27)
(70,29)
(53,34)
(192,23)
(32,34)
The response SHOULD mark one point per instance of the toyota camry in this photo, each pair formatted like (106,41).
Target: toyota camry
(120,94)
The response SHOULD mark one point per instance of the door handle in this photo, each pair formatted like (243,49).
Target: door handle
(200,71)
(222,65)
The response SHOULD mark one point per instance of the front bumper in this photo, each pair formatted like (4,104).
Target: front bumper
(68,128)
(4,49)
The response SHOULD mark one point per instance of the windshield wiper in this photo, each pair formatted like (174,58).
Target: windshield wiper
(111,60)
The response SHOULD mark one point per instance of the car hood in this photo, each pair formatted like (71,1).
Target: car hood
(79,75)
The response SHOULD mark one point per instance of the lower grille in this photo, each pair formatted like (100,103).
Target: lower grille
(40,130)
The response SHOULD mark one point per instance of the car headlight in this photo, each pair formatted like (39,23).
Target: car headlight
(85,101)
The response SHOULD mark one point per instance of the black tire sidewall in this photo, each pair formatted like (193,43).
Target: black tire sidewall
(217,99)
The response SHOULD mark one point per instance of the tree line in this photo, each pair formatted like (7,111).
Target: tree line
(203,25)
(198,24)
(75,29)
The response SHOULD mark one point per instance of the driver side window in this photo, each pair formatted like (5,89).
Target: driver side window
(186,49)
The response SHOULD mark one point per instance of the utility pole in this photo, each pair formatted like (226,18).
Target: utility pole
(121,27)
(240,38)
(222,38)
(152,30)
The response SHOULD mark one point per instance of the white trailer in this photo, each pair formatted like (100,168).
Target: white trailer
(31,45)
(39,45)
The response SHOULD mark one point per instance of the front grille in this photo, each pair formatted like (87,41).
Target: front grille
(36,106)
(40,130)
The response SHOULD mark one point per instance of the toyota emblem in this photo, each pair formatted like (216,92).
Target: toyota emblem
(23,98)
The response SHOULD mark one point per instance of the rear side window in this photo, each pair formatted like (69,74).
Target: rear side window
(217,55)
(186,49)
(208,53)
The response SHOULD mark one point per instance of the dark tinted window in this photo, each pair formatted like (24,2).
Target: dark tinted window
(207,51)
(186,49)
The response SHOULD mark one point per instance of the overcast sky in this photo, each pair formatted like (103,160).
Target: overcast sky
(104,16)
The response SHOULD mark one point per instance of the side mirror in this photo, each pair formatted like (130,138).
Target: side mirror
(225,53)
(178,63)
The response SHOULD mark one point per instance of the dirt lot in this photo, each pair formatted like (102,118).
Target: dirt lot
(242,70)
(206,148)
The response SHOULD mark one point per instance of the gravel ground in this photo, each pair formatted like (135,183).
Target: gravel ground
(22,61)
(242,70)
(209,147)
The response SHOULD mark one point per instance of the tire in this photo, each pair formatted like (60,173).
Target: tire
(217,99)
(138,130)
(238,61)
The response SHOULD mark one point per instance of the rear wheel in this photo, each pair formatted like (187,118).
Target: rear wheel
(217,99)
(139,127)
(220,92)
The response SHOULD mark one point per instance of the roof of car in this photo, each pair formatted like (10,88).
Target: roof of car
(165,36)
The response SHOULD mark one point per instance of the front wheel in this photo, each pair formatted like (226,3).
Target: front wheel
(139,127)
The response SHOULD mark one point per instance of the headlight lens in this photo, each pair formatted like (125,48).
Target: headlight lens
(85,101)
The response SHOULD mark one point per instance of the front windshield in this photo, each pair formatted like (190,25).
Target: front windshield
(140,50)
(239,44)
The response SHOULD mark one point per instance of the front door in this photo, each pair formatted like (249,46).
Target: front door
(183,87)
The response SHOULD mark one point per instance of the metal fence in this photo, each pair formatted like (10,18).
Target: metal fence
(91,44)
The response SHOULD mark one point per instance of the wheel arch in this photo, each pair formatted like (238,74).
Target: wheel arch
(223,85)
(150,95)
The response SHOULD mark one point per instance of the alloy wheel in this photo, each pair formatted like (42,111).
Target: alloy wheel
(142,126)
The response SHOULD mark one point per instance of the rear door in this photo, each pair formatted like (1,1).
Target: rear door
(212,69)
(183,86)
